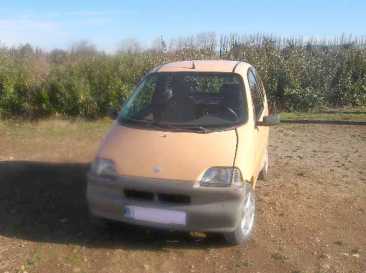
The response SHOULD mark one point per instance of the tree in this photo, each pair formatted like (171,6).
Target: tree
(159,45)
(129,46)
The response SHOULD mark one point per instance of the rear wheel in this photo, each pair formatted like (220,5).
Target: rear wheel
(245,227)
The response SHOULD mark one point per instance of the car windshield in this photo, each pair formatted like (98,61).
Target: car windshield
(187,101)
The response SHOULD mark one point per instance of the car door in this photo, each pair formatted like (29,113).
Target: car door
(260,110)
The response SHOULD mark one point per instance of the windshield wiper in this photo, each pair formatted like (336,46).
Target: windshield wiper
(182,128)
(154,124)
(149,123)
(198,129)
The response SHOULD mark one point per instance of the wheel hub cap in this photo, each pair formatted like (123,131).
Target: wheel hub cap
(248,214)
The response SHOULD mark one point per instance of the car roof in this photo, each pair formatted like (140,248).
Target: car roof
(200,66)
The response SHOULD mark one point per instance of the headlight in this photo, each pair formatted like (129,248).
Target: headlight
(221,177)
(103,167)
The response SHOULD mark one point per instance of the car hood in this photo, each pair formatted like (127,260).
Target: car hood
(181,156)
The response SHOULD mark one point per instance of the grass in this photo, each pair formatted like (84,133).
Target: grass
(54,127)
(64,139)
(64,128)
(344,114)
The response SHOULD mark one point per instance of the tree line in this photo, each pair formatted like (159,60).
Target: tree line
(299,74)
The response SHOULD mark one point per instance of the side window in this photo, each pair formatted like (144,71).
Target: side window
(260,83)
(256,91)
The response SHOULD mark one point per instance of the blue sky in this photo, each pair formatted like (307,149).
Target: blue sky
(49,24)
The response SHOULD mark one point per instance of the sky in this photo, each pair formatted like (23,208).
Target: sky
(58,24)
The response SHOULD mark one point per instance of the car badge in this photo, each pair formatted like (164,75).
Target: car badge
(156,169)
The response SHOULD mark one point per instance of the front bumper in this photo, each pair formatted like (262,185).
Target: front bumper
(207,209)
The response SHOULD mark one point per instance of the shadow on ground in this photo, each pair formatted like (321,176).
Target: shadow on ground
(45,202)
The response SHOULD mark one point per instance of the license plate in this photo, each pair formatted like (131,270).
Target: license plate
(160,216)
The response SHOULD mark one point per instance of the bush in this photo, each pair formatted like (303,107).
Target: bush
(302,100)
(298,75)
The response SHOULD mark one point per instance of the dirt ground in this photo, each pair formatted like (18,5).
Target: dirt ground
(311,212)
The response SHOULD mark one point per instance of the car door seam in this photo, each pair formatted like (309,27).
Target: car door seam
(236,149)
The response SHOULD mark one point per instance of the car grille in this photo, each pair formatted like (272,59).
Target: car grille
(157,197)
(139,195)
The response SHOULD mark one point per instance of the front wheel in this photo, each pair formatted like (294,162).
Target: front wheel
(245,227)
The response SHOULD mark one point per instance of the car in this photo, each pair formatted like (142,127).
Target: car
(186,150)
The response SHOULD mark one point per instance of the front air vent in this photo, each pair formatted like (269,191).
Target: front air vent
(139,195)
(174,198)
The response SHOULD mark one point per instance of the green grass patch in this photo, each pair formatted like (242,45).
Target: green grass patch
(326,115)
(58,128)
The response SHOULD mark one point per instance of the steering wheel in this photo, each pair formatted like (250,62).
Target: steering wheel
(232,112)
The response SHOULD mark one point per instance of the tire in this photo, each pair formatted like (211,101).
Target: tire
(263,174)
(244,230)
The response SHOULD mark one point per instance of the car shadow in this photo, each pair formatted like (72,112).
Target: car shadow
(45,202)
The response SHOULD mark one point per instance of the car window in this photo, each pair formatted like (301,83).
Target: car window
(257,93)
(146,92)
(187,99)
(260,83)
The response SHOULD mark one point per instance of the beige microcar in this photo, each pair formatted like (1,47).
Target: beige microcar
(186,151)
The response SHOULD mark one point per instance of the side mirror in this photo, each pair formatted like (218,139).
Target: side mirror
(269,120)
(112,113)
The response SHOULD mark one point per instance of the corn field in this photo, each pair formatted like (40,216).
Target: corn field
(299,75)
